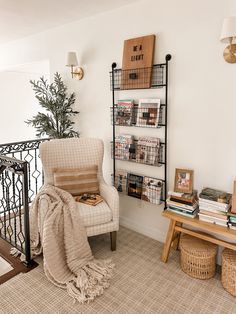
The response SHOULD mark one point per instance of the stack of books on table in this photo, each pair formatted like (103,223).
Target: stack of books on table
(214,206)
(183,203)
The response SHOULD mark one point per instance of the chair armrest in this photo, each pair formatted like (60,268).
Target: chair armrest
(111,196)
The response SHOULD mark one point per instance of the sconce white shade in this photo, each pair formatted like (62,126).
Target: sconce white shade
(228,29)
(71,59)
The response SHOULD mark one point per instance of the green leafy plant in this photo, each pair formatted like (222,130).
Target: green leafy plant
(56,122)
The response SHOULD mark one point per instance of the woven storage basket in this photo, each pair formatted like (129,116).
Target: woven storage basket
(228,271)
(197,257)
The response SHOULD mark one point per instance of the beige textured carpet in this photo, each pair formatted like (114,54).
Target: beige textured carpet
(142,284)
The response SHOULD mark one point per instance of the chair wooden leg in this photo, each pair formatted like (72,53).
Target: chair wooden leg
(113,240)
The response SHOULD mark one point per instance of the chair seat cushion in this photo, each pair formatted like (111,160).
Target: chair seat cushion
(95,215)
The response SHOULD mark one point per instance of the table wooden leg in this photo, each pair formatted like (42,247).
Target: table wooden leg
(169,239)
(177,234)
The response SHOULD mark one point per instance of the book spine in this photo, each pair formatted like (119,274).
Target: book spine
(176,204)
(182,213)
(216,204)
(179,200)
(211,218)
(213,210)
(189,212)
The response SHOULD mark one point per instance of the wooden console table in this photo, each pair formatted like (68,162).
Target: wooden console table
(176,228)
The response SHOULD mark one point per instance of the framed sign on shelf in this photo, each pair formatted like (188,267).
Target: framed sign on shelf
(137,62)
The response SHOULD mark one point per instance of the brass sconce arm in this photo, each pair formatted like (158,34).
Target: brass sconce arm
(76,72)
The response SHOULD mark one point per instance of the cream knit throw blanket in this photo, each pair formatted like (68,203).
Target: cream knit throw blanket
(68,260)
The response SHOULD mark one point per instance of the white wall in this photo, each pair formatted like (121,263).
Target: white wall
(202,106)
(17,99)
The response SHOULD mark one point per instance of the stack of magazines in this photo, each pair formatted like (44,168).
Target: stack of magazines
(214,206)
(124,112)
(183,203)
(148,150)
(123,143)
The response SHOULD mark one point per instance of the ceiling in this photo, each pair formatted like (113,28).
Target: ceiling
(21,18)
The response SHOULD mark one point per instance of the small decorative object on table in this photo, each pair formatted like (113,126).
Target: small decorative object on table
(183,180)
(184,199)
(198,257)
(228,271)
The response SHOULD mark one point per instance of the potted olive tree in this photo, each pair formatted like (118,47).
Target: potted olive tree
(54,98)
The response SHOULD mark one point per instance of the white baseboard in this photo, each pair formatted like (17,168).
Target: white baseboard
(147,231)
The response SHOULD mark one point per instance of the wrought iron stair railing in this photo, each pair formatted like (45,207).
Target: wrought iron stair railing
(21,177)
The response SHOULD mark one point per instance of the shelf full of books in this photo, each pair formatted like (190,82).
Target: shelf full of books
(144,113)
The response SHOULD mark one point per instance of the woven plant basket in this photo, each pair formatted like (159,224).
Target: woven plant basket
(228,271)
(197,257)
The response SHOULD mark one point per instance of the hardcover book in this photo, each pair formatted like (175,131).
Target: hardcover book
(213,220)
(89,199)
(216,195)
(231,226)
(134,185)
(219,215)
(184,198)
(184,213)
(181,205)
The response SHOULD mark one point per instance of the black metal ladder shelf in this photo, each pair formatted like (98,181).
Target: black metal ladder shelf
(127,80)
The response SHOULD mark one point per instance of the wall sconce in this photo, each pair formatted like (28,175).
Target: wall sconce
(228,34)
(72,62)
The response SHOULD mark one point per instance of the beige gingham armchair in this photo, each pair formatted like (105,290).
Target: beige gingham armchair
(77,153)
